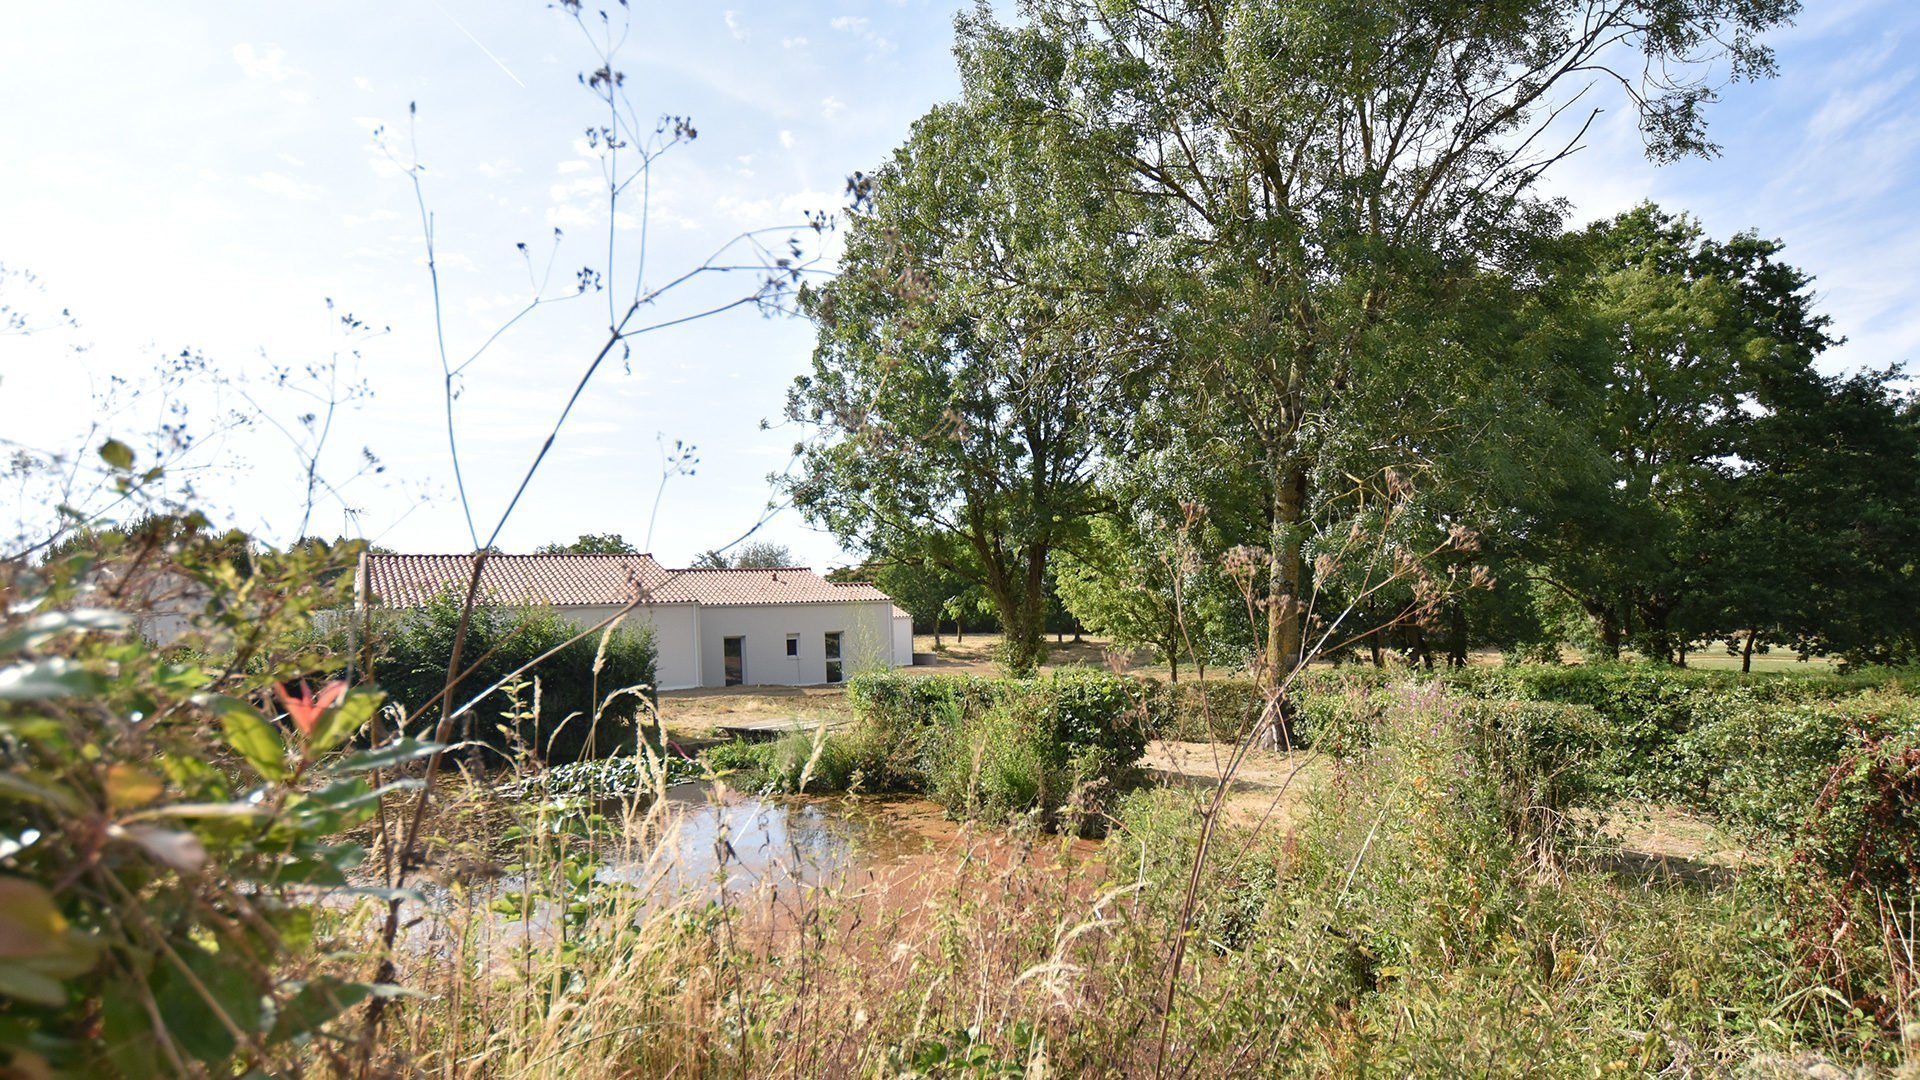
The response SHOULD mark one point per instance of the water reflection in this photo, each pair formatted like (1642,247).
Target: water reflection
(719,840)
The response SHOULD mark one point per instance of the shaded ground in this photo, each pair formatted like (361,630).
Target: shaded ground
(975,656)
(1270,789)
(1665,842)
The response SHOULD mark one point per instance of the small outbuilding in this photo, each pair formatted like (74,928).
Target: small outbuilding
(784,626)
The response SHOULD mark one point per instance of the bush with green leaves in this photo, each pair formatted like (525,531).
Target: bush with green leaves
(170,846)
(1837,780)
(1409,926)
(1674,733)
(1057,747)
(594,694)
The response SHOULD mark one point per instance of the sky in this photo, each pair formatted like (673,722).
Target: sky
(202,178)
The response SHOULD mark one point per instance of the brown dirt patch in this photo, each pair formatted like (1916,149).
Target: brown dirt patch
(1270,789)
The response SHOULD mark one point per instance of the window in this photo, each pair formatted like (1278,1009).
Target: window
(834,671)
(793,644)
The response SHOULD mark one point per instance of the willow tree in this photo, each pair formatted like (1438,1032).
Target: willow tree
(974,357)
(1337,168)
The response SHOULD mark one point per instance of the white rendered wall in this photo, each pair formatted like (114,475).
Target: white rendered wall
(676,638)
(866,641)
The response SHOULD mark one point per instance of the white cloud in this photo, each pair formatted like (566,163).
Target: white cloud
(786,140)
(734,27)
(293,161)
(267,62)
(832,107)
(274,183)
(1845,109)
(362,83)
(576,188)
(495,169)
(859,27)
(793,42)
(573,165)
(747,213)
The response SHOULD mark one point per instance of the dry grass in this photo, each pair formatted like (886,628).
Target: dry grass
(844,975)
(696,713)
(1270,790)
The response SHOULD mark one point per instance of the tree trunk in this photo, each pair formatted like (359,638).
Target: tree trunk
(1746,654)
(1022,604)
(1284,630)
(1457,640)
(1417,640)
(1609,626)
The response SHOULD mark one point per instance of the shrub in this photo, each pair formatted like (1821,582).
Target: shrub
(171,845)
(1225,710)
(1840,780)
(804,762)
(1539,760)
(1056,746)
(583,712)
(1673,731)
(1207,710)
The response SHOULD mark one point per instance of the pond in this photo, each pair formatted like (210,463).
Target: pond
(714,839)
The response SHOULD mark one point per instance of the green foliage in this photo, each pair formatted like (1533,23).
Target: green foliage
(1058,747)
(170,845)
(960,417)
(592,700)
(1415,890)
(1674,732)
(751,555)
(591,544)
(623,776)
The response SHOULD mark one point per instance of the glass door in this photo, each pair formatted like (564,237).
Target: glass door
(834,670)
(734,650)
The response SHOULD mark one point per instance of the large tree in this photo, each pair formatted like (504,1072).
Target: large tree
(1337,170)
(974,357)
(1702,340)
(1820,545)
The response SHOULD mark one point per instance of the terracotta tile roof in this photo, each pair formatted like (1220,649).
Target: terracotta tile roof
(786,585)
(564,580)
(412,580)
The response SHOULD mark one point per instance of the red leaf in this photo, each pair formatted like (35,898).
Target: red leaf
(304,707)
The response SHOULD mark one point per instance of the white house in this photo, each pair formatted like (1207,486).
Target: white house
(785,627)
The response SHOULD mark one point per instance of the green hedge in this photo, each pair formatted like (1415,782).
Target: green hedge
(1661,719)
(1058,747)
(411,665)
(1325,704)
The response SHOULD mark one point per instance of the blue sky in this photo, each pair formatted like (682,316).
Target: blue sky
(201,176)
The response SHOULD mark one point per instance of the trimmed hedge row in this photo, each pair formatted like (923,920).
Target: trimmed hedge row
(1670,729)
(1827,764)
(1057,747)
